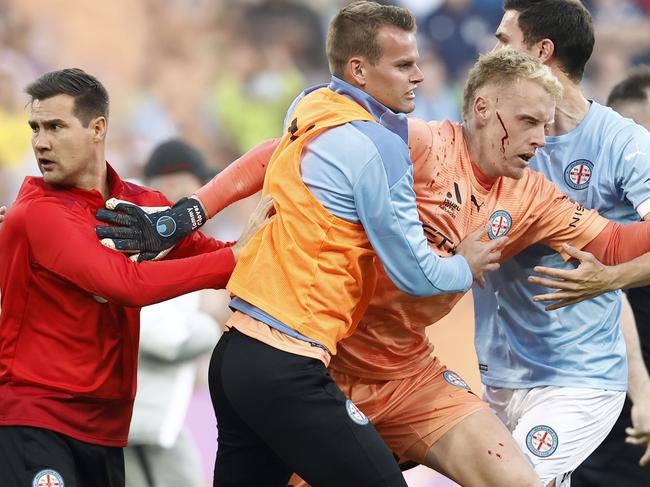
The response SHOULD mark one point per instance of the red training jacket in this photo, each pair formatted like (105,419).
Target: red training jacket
(67,362)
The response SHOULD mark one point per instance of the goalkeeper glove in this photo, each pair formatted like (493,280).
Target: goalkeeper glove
(149,231)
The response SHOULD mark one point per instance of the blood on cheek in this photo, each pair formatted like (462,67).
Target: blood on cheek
(505,132)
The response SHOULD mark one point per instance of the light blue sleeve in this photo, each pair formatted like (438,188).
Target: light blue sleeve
(292,107)
(631,151)
(390,217)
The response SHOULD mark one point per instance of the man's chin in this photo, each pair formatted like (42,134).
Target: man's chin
(409,107)
(406,107)
(517,173)
(51,178)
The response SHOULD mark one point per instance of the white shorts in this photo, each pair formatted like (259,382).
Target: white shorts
(556,427)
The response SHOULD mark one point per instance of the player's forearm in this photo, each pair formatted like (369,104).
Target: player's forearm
(618,243)
(638,379)
(112,276)
(390,219)
(634,273)
(152,282)
(73,253)
(242,178)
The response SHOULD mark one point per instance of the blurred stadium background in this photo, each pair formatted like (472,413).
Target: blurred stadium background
(221,73)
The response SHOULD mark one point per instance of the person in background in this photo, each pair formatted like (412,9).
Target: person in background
(173,335)
(620,460)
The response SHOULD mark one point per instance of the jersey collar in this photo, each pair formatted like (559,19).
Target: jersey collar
(395,122)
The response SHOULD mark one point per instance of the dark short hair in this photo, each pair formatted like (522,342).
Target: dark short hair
(353,31)
(90,96)
(567,23)
(633,88)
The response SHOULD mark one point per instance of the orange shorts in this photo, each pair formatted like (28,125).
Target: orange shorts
(411,414)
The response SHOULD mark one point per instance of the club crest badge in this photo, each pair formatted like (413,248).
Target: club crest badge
(542,441)
(454,379)
(500,224)
(578,174)
(355,413)
(48,478)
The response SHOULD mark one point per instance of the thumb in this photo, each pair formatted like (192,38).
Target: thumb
(123,206)
(575,253)
(112,203)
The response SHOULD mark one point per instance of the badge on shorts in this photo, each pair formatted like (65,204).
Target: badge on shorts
(542,441)
(355,413)
(455,380)
(578,174)
(48,478)
(500,224)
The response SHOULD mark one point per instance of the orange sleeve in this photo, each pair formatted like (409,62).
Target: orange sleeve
(240,179)
(619,243)
(552,218)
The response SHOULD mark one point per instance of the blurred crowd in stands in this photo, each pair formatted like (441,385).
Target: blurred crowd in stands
(221,73)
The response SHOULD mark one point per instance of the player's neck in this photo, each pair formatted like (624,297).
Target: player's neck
(95,177)
(571,108)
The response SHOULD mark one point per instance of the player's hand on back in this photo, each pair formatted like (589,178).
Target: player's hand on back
(482,257)
(262,214)
(3,212)
(146,230)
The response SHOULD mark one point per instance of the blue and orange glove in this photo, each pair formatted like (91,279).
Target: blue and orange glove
(149,232)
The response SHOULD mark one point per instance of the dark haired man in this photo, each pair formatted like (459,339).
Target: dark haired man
(558,379)
(70,307)
(620,460)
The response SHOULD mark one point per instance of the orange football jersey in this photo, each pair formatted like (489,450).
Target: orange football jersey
(454,198)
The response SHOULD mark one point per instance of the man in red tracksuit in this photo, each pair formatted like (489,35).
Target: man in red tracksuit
(69,325)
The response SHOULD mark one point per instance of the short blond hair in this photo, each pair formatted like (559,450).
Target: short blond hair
(353,32)
(504,67)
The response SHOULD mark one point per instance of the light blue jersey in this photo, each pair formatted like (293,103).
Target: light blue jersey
(604,164)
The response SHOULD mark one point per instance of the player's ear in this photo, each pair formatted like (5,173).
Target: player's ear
(481,109)
(98,127)
(356,71)
(544,50)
